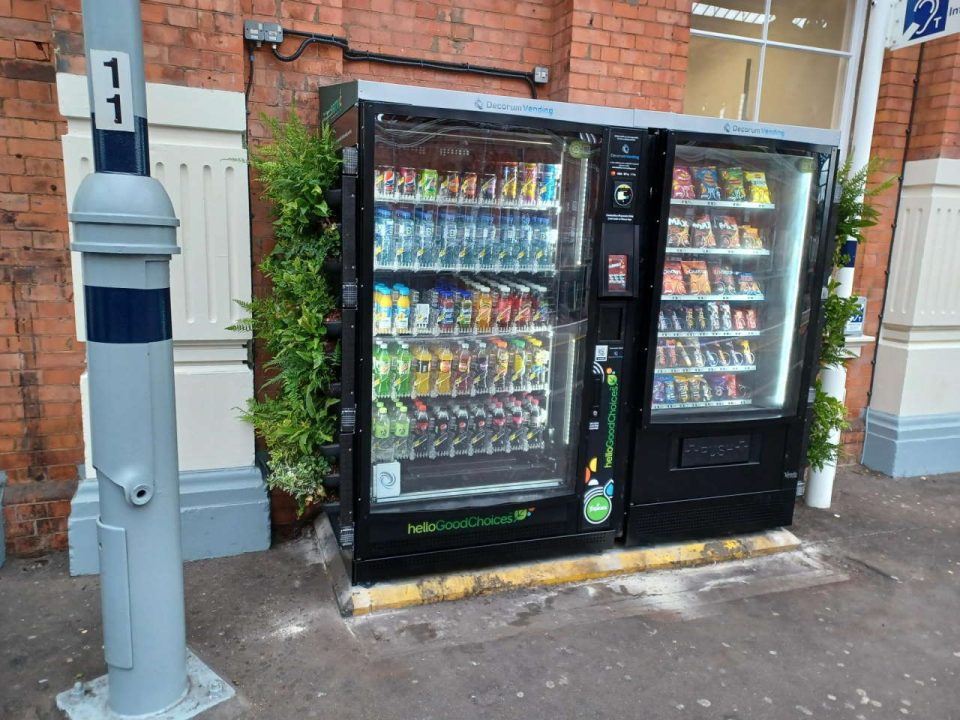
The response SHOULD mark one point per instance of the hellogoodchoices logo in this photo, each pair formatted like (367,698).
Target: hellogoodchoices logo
(471,522)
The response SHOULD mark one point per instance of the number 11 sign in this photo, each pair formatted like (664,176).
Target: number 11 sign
(112,90)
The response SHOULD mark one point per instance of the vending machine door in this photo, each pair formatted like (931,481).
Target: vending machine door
(477,237)
(741,265)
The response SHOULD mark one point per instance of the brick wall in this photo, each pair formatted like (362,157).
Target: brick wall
(40,359)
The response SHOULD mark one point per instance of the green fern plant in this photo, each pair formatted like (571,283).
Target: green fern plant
(296,415)
(856,212)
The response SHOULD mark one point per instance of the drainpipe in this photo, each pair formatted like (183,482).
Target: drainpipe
(819,491)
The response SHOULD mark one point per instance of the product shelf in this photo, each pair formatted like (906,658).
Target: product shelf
(738,252)
(508,387)
(459,335)
(701,404)
(469,267)
(725,298)
(707,333)
(733,204)
(553,207)
(704,370)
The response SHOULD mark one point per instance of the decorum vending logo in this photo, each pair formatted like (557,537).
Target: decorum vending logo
(732,127)
(472,522)
(482,103)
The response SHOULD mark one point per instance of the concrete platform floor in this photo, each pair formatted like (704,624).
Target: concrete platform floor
(862,622)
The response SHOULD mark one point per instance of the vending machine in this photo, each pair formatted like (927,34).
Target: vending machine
(743,235)
(491,273)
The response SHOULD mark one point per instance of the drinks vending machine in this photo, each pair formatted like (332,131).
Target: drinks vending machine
(490,332)
(554,312)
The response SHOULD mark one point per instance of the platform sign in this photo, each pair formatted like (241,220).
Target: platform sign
(916,21)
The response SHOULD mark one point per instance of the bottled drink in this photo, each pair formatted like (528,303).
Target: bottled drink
(382,382)
(383,236)
(465,311)
(460,442)
(402,371)
(401,310)
(501,365)
(483,308)
(486,241)
(504,307)
(401,432)
(536,425)
(420,444)
(525,241)
(518,432)
(546,249)
(523,308)
(444,382)
(422,361)
(383,309)
(442,433)
(478,430)
(446,311)
(498,430)
(518,366)
(403,242)
(381,434)
(463,376)
(466,257)
(539,360)
(448,247)
(425,229)
(508,240)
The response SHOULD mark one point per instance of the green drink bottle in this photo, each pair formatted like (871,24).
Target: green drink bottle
(402,372)
(382,371)
(401,431)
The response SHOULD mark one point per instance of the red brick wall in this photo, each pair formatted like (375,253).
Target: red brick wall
(40,360)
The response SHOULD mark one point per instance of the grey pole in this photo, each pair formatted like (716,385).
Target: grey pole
(125,228)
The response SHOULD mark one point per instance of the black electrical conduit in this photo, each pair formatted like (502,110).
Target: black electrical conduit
(367,56)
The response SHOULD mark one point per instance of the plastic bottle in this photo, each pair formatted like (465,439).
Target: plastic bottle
(498,432)
(466,257)
(523,309)
(483,309)
(401,432)
(426,230)
(444,382)
(478,430)
(463,375)
(503,310)
(536,425)
(518,430)
(401,311)
(518,366)
(481,368)
(448,246)
(461,431)
(420,432)
(402,371)
(382,382)
(441,433)
(508,241)
(486,240)
(383,310)
(501,365)
(403,241)
(381,433)
(383,236)
(422,361)
(465,311)
(525,241)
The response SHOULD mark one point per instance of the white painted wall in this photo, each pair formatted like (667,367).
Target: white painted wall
(918,355)
(197,151)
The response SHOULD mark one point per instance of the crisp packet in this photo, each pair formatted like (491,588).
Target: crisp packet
(746,284)
(728,234)
(703,232)
(731,181)
(750,237)
(698,281)
(678,231)
(707,183)
(683,184)
(757,185)
(673,279)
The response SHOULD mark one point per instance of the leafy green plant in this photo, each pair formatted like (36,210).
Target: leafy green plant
(296,415)
(856,212)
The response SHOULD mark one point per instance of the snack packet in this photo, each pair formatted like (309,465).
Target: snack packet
(750,237)
(678,231)
(683,184)
(707,182)
(746,284)
(731,181)
(673,280)
(703,232)
(697,279)
(728,234)
(751,315)
(757,185)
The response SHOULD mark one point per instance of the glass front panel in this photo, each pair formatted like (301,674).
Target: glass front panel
(816,23)
(740,227)
(481,248)
(731,17)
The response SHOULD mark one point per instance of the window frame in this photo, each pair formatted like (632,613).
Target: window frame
(851,55)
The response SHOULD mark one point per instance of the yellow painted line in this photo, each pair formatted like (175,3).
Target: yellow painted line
(456,586)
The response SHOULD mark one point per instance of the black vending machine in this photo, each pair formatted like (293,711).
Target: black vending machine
(742,231)
(491,270)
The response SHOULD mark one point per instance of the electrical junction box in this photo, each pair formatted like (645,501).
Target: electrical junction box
(262,32)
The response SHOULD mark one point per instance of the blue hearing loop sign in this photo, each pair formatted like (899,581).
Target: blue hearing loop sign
(923,20)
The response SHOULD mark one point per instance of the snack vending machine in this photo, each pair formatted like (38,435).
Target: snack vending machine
(744,233)
(490,272)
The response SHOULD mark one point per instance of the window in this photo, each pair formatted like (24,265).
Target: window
(780,61)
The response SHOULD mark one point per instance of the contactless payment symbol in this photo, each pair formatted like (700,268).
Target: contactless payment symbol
(925,17)
(623,195)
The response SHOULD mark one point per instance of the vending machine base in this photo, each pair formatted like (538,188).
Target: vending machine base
(709,517)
